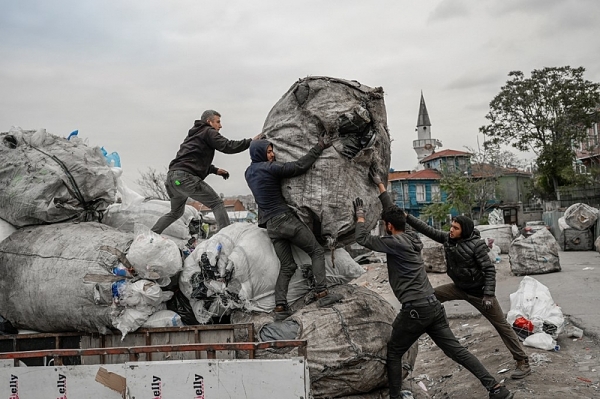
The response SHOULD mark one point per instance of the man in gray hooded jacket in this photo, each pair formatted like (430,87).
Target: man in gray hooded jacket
(421,311)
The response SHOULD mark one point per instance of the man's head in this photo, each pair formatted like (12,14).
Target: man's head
(395,218)
(461,227)
(270,153)
(213,118)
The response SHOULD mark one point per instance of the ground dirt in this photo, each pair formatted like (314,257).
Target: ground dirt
(571,372)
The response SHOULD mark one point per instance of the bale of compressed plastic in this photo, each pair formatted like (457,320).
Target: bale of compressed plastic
(147,213)
(354,117)
(433,255)
(43,270)
(48,179)
(576,240)
(536,254)
(347,342)
(581,216)
(501,233)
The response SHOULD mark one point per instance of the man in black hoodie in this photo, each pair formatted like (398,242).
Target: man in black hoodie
(474,280)
(421,311)
(192,164)
(264,177)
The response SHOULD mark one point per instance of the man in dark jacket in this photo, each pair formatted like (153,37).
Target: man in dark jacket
(264,177)
(474,280)
(421,311)
(192,164)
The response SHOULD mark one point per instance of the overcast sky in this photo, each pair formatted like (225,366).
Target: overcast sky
(132,76)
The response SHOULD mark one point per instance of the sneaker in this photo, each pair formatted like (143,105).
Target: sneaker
(501,393)
(523,369)
(282,312)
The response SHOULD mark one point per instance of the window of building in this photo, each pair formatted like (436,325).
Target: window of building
(435,193)
(420,193)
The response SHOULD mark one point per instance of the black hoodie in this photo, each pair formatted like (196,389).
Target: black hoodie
(197,151)
(467,259)
(264,178)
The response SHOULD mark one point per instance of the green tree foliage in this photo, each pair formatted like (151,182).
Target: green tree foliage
(546,114)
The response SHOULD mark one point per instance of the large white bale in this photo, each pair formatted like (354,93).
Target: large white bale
(242,271)
(354,116)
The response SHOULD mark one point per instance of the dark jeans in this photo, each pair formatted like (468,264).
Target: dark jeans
(495,315)
(193,187)
(410,323)
(284,230)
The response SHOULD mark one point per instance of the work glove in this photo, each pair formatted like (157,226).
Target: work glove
(359,210)
(223,173)
(487,302)
(324,141)
(374,176)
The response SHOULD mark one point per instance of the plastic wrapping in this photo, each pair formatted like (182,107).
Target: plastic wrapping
(536,254)
(581,216)
(533,301)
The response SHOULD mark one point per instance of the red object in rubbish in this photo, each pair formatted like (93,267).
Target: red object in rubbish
(584,380)
(523,323)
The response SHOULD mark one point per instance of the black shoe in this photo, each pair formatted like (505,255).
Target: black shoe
(501,393)
(282,312)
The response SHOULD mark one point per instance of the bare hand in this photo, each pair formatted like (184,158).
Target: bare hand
(259,136)
(223,173)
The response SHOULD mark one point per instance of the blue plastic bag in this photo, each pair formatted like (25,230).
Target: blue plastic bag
(112,159)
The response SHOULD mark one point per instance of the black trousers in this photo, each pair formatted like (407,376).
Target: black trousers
(410,323)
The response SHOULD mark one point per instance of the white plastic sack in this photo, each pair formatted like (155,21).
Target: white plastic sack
(496,217)
(562,224)
(154,257)
(129,198)
(6,229)
(247,251)
(533,301)
(540,340)
(494,250)
(581,216)
(354,116)
(536,254)
(501,233)
(48,179)
(163,318)
(147,213)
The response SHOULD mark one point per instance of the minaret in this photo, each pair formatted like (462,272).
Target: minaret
(424,145)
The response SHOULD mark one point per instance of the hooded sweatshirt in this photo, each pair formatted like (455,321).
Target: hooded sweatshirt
(406,271)
(264,178)
(197,151)
(467,260)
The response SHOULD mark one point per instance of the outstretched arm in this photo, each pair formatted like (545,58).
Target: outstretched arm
(423,228)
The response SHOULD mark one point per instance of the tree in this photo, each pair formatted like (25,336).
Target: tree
(152,184)
(493,155)
(546,114)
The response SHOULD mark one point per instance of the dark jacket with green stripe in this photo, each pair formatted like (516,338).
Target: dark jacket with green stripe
(467,260)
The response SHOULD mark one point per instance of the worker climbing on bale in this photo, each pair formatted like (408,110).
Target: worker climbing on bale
(421,311)
(264,177)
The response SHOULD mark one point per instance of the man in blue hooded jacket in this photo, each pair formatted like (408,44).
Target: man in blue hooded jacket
(264,177)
